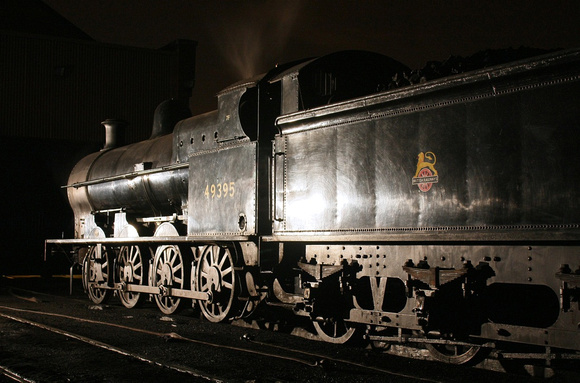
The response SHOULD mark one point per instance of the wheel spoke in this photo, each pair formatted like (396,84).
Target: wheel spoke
(215,255)
(227,271)
(131,257)
(173,258)
(222,262)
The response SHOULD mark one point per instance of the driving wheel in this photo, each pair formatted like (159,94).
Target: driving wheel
(96,271)
(131,269)
(217,277)
(169,272)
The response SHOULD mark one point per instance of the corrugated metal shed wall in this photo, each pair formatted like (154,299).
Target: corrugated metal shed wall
(62,89)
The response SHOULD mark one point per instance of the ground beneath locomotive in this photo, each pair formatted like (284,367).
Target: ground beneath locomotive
(53,358)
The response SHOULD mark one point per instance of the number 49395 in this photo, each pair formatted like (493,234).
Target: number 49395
(221,190)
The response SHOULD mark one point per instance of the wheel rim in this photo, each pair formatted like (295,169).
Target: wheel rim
(168,271)
(131,269)
(216,276)
(454,354)
(96,270)
(334,331)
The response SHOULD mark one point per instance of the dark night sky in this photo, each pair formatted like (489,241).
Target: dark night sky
(238,39)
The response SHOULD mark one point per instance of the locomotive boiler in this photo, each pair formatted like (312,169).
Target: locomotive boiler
(444,213)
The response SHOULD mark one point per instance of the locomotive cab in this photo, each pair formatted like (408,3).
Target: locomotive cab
(334,78)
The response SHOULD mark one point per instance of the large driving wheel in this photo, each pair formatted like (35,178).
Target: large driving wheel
(217,277)
(96,271)
(132,269)
(334,330)
(169,272)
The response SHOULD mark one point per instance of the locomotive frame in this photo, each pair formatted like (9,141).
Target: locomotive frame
(442,213)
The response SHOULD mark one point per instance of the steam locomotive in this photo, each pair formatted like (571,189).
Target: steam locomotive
(445,213)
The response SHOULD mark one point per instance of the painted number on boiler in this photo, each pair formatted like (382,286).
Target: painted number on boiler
(221,190)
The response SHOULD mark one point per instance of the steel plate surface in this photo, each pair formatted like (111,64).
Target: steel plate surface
(222,192)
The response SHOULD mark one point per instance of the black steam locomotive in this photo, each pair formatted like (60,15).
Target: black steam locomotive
(445,213)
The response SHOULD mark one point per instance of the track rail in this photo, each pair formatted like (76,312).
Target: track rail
(311,360)
(108,347)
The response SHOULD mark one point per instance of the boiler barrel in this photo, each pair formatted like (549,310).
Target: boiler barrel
(131,177)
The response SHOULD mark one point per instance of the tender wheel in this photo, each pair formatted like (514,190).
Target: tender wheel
(96,270)
(169,272)
(380,346)
(217,277)
(131,269)
(334,330)
(456,354)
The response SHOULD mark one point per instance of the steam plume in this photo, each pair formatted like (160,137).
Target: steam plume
(252,36)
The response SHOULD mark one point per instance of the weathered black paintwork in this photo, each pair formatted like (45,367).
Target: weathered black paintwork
(504,140)
(448,209)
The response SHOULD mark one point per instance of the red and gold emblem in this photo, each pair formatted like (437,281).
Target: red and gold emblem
(426,175)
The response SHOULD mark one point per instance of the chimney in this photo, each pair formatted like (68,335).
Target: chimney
(114,133)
